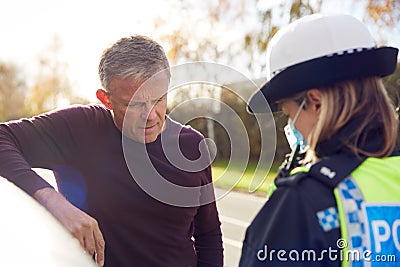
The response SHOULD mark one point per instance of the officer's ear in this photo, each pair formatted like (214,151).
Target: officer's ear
(314,100)
(104,98)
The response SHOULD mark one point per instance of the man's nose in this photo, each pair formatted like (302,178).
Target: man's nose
(149,112)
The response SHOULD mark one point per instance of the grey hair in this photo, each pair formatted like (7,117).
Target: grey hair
(136,56)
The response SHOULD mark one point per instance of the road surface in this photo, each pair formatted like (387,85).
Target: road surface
(236,212)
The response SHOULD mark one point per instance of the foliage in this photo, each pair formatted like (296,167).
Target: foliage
(12,89)
(392,84)
(228,177)
(258,20)
(49,90)
(204,30)
(384,12)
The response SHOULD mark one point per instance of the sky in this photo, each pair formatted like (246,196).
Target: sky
(85,29)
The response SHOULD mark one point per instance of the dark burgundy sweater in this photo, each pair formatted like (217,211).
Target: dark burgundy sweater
(83,146)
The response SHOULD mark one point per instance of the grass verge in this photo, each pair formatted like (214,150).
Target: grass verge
(243,179)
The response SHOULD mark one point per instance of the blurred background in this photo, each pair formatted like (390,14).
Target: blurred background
(50,49)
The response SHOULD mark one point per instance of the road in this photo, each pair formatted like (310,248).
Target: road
(236,212)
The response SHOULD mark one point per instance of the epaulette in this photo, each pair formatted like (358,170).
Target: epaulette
(292,180)
(332,170)
(329,171)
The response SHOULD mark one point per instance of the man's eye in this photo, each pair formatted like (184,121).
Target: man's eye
(135,105)
(158,100)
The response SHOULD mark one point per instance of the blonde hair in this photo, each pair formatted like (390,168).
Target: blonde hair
(365,99)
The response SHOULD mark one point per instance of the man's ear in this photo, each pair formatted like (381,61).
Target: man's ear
(314,99)
(104,99)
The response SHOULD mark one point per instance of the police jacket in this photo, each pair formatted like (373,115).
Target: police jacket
(317,218)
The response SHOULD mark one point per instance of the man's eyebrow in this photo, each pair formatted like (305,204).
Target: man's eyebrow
(144,101)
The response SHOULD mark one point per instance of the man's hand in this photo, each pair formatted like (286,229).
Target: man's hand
(79,224)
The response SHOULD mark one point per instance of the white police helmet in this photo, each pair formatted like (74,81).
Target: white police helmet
(318,50)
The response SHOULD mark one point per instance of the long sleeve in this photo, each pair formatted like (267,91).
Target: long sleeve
(207,234)
(42,141)
(13,165)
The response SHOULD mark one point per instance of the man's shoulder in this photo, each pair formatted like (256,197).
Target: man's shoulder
(185,131)
(79,108)
(89,112)
(74,116)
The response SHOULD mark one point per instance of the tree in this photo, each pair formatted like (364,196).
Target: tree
(206,30)
(12,90)
(237,32)
(392,84)
(51,86)
(193,38)
(384,12)
(50,89)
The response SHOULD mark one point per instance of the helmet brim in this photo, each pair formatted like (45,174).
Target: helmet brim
(323,71)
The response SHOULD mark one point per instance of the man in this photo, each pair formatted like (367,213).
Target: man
(92,149)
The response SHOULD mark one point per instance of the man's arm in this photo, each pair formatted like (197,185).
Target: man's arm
(208,237)
(45,141)
(13,165)
(207,233)
(78,223)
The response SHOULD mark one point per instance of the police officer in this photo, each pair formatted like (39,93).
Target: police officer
(343,207)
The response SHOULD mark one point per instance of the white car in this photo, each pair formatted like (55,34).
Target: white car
(31,236)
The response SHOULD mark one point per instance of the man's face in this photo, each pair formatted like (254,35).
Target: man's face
(143,105)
